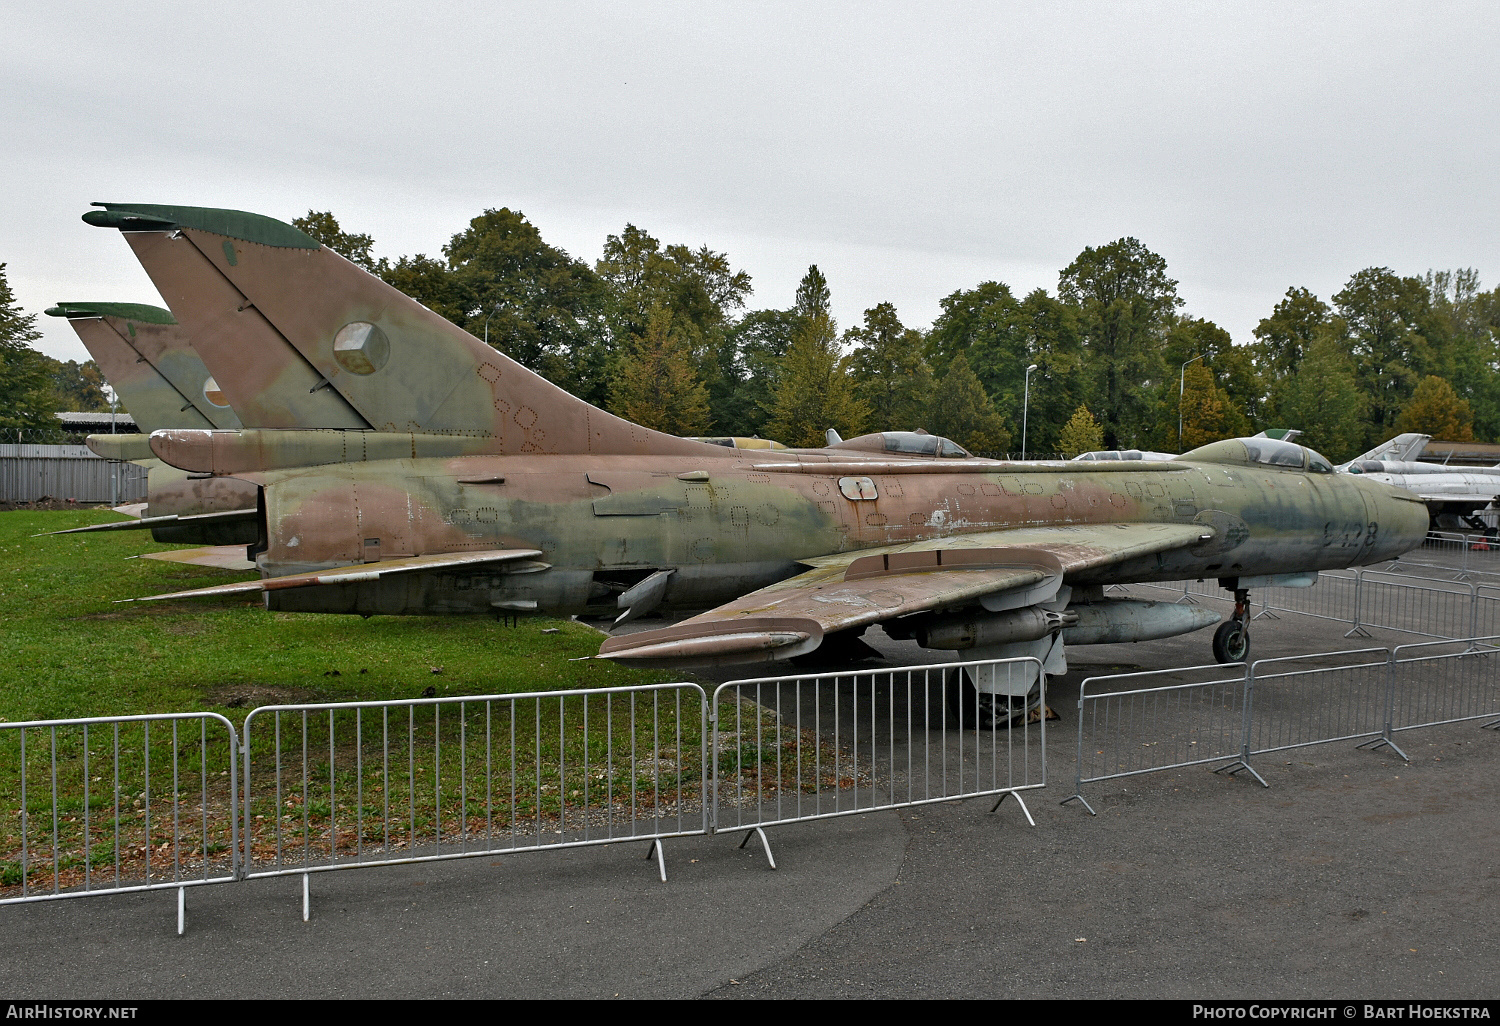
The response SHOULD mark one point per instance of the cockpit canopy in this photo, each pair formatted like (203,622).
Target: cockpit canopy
(910,443)
(1265,452)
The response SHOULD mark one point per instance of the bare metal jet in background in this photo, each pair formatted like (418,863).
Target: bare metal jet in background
(1457,498)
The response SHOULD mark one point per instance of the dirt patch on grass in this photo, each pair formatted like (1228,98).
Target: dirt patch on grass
(49,503)
(250,696)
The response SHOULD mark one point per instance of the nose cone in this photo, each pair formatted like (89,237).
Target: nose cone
(1403,520)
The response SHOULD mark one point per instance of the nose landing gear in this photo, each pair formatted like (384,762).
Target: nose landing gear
(1232,639)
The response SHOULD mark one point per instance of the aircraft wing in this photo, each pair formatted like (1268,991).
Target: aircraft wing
(998,569)
(220,557)
(357,573)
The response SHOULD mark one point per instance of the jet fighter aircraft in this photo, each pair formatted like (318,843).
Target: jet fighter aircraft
(1455,496)
(463,483)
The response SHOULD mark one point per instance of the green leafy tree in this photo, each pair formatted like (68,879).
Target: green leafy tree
(1124,298)
(757,343)
(1384,317)
(1324,399)
(533,302)
(1282,339)
(699,288)
(1464,328)
(1082,433)
(1208,414)
(961,410)
(814,389)
(655,385)
(323,226)
(78,386)
(890,374)
(26,397)
(1436,410)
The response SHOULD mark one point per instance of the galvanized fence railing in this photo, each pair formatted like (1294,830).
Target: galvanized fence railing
(105,805)
(1127,727)
(1437,682)
(1364,695)
(1427,609)
(1457,555)
(1365,600)
(1293,707)
(816,746)
(336,786)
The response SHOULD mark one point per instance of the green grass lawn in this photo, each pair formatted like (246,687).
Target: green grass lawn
(67,649)
(322,784)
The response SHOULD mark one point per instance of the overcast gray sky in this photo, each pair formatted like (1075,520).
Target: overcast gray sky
(907,149)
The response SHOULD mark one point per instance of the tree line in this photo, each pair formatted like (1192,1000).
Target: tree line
(663,335)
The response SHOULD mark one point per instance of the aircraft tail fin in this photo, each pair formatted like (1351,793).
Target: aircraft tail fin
(1404,448)
(297,336)
(146,357)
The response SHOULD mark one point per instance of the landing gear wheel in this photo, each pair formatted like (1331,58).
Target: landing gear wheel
(987,711)
(1231,642)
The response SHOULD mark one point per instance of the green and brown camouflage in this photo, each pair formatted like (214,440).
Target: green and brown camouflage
(147,358)
(299,337)
(149,361)
(798,548)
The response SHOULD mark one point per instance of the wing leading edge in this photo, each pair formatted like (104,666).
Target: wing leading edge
(1000,570)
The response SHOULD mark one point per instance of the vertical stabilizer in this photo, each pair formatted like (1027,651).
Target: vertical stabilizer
(146,357)
(288,319)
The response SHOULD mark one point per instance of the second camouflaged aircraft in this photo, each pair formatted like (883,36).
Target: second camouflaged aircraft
(572,510)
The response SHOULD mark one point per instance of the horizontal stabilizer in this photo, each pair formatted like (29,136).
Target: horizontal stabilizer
(228,516)
(125,448)
(356,574)
(220,557)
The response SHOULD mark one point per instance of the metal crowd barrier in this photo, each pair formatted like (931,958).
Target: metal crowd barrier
(1473,554)
(331,786)
(796,748)
(1349,700)
(110,804)
(1125,729)
(1364,695)
(1462,685)
(1369,600)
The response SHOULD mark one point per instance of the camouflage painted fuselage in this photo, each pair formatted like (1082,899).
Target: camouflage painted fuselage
(730,526)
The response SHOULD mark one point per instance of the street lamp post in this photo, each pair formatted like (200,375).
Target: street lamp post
(1025,409)
(1182,381)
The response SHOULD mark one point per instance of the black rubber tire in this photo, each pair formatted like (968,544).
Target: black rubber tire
(1231,642)
(993,712)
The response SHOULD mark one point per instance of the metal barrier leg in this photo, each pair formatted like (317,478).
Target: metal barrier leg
(1265,609)
(1238,765)
(1355,630)
(1493,725)
(1024,809)
(1375,744)
(181,910)
(661,859)
(1081,800)
(764,843)
(306,899)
